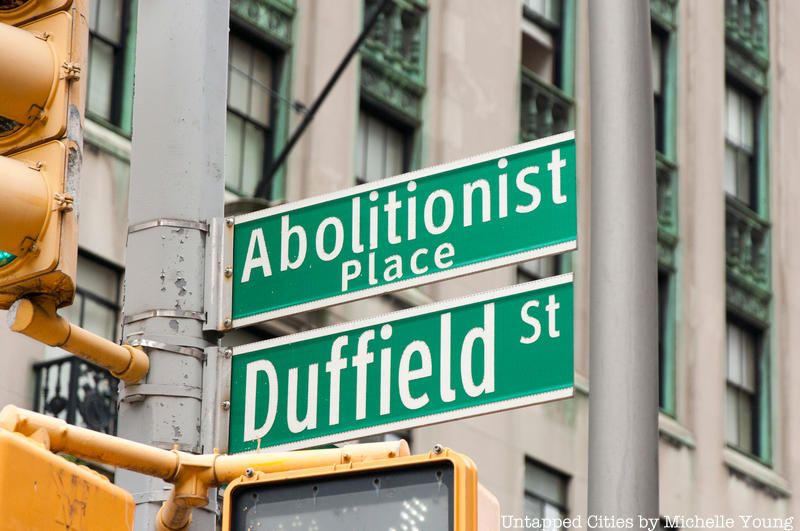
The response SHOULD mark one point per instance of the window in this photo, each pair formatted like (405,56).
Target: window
(549,10)
(96,307)
(742,393)
(740,146)
(381,149)
(545,492)
(541,39)
(658,50)
(250,80)
(663,298)
(546,71)
(108,32)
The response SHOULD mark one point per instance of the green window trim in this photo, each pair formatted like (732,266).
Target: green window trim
(393,59)
(126,108)
(664,22)
(272,19)
(392,73)
(549,108)
(123,94)
(273,22)
(747,226)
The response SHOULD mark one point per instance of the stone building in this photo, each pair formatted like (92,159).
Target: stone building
(439,80)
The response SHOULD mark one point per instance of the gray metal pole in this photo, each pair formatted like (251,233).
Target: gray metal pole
(177,185)
(623,399)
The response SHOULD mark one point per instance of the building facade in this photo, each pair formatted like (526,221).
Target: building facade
(439,80)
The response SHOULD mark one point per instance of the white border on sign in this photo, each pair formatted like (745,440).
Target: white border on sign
(417,422)
(409,283)
(416,281)
(388,318)
(399,179)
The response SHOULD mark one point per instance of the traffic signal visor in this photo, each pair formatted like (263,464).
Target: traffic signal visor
(35,68)
(41,490)
(43,45)
(31,201)
(436,491)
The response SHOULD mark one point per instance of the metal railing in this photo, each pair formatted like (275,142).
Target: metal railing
(666,196)
(544,110)
(746,245)
(746,23)
(396,41)
(78,392)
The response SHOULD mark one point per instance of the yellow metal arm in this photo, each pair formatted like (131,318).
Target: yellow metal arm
(37,318)
(192,475)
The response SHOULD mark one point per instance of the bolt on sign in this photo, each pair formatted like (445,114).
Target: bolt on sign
(490,352)
(488,211)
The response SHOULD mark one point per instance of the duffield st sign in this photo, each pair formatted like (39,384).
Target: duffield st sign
(489,352)
(497,209)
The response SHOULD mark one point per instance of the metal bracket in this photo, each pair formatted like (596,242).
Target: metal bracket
(179,314)
(64,202)
(193,352)
(71,70)
(219,285)
(214,417)
(169,222)
(137,392)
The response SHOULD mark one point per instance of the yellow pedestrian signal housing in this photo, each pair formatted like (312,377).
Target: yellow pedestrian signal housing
(42,98)
(436,491)
(41,490)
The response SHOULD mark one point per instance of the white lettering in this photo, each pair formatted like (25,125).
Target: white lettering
(406,375)
(262,261)
(251,433)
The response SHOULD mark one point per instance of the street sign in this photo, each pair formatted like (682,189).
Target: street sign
(490,352)
(488,211)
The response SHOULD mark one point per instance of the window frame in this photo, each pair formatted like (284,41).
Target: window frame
(277,57)
(566,478)
(666,342)
(761,409)
(121,77)
(407,131)
(756,176)
(86,294)
(558,32)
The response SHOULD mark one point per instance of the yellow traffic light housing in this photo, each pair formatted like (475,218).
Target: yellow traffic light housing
(44,45)
(22,11)
(437,491)
(41,490)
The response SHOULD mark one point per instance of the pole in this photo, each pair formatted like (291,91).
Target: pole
(623,399)
(177,185)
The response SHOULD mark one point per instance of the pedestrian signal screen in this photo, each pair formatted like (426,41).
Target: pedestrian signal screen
(411,498)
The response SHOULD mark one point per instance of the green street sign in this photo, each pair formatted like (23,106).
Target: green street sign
(488,211)
(490,352)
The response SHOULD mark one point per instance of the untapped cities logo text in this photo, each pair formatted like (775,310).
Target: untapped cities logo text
(594,521)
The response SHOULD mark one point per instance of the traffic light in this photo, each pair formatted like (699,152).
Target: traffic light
(41,490)
(42,97)
(436,491)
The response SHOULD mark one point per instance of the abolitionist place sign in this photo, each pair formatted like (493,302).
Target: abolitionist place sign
(492,210)
(489,352)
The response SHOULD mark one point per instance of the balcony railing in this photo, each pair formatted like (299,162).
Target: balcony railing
(544,110)
(273,17)
(746,24)
(747,247)
(78,392)
(393,58)
(667,196)
(667,210)
(396,42)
